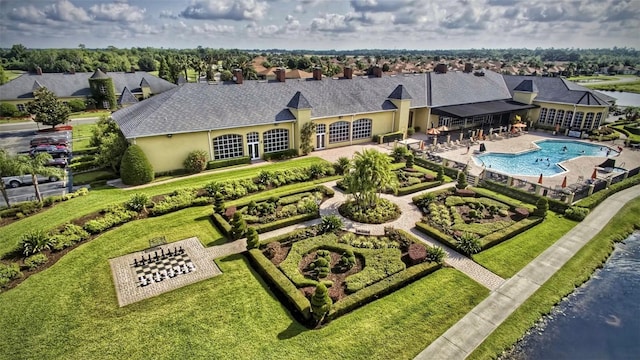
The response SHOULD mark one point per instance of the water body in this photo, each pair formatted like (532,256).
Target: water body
(624,98)
(600,320)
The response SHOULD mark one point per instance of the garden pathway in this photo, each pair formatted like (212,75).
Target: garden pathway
(468,333)
(406,222)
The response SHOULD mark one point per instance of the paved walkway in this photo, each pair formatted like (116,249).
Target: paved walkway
(468,333)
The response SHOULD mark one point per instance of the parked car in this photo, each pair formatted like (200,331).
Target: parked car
(49,140)
(20,180)
(58,162)
(55,151)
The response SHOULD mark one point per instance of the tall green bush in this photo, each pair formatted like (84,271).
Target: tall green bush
(440,173)
(218,205)
(238,226)
(9,110)
(196,161)
(135,168)
(253,239)
(462,181)
(320,303)
(542,206)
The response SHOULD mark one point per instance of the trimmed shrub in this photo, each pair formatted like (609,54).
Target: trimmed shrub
(399,153)
(542,206)
(410,161)
(114,216)
(595,199)
(253,239)
(238,226)
(34,261)
(417,253)
(278,224)
(320,302)
(9,110)
(281,155)
(417,187)
(77,105)
(436,254)
(216,164)
(576,213)
(469,243)
(222,224)
(440,173)
(218,205)
(524,196)
(462,181)
(135,168)
(331,223)
(341,165)
(509,232)
(177,200)
(195,162)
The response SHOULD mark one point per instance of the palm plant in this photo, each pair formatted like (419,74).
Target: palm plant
(34,242)
(370,174)
(7,167)
(35,166)
(469,243)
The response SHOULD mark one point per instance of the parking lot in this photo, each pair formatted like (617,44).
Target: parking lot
(18,142)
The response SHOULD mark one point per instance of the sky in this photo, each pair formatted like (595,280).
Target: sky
(321,24)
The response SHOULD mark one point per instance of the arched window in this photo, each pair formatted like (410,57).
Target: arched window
(276,140)
(361,129)
(227,146)
(598,120)
(543,115)
(588,121)
(577,120)
(339,132)
(559,117)
(551,116)
(567,119)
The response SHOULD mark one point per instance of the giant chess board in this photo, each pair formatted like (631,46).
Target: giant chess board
(161,268)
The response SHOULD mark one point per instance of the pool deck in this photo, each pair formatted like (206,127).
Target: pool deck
(578,167)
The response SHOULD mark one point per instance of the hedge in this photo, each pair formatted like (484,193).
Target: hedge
(381,288)
(488,194)
(417,198)
(278,224)
(437,234)
(595,199)
(391,137)
(281,155)
(509,232)
(215,164)
(554,205)
(417,187)
(452,173)
(221,223)
(273,275)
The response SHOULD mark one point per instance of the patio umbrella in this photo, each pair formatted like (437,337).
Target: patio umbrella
(540,179)
(564,182)
(594,175)
(443,128)
(433,131)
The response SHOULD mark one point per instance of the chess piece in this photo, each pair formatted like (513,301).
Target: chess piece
(191,266)
(185,269)
(135,262)
(162,252)
(156,257)
(164,274)
(150,279)
(168,252)
(157,277)
(177,269)
(181,250)
(171,273)
(175,250)
(149,257)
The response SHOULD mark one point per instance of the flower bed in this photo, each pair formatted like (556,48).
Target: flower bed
(384,211)
(356,269)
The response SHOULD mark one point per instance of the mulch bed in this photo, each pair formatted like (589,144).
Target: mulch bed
(337,291)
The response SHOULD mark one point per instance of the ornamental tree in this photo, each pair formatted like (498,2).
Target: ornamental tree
(47,109)
(369,174)
(37,165)
(320,303)
(135,168)
(253,239)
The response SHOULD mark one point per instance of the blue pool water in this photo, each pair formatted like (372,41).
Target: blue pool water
(544,160)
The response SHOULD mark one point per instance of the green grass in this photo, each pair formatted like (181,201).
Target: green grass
(70,311)
(101,198)
(562,283)
(630,136)
(91,176)
(632,86)
(82,136)
(597,77)
(89,114)
(191,74)
(509,257)
(12,74)
(8,120)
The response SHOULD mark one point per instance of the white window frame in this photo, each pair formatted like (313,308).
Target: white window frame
(596,124)
(275,140)
(588,120)
(228,146)
(559,117)
(106,104)
(577,120)
(102,88)
(361,129)
(550,116)
(21,107)
(339,131)
(543,115)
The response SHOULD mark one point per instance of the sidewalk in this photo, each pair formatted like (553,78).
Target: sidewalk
(468,333)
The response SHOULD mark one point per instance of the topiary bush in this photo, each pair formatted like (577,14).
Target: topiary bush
(462,181)
(218,205)
(196,161)
(348,259)
(320,303)
(576,213)
(440,173)
(542,205)
(135,168)
(253,239)
(410,161)
(238,226)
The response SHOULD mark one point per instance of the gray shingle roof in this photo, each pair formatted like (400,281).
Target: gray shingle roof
(127,98)
(298,101)
(200,107)
(527,86)
(98,74)
(72,85)
(559,90)
(400,93)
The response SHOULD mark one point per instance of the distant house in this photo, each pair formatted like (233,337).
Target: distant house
(128,87)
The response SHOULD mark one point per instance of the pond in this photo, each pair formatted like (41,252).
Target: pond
(600,320)
(624,98)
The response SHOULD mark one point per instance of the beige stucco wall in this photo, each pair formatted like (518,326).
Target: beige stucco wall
(381,123)
(524,97)
(534,114)
(168,153)
(421,118)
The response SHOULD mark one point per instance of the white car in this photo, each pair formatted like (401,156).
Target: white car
(19,180)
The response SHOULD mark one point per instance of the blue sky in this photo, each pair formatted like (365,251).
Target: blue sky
(321,24)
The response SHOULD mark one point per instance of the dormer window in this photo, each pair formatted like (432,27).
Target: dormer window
(103,89)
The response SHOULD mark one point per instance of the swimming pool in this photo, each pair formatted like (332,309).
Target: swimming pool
(543,160)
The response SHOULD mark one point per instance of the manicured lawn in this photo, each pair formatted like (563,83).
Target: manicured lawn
(89,114)
(509,257)
(191,74)
(633,86)
(99,199)
(91,176)
(8,120)
(82,136)
(12,74)
(632,137)
(574,273)
(70,311)
(597,77)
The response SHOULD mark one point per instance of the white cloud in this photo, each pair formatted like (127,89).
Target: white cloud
(117,12)
(335,23)
(237,10)
(211,29)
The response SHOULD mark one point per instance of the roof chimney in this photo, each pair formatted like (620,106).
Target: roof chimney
(377,71)
(280,72)
(441,68)
(317,73)
(468,67)
(348,72)
(237,76)
(38,70)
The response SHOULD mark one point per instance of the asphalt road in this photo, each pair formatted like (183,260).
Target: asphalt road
(28,193)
